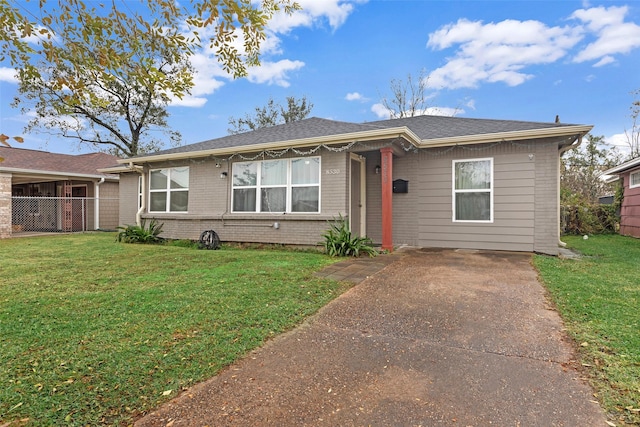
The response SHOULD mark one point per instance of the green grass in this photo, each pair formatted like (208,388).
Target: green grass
(94,332)
(599,298)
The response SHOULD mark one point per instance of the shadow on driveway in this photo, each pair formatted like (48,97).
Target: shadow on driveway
(438,337)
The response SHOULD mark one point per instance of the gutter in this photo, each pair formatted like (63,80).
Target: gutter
(580,130)
(55,173)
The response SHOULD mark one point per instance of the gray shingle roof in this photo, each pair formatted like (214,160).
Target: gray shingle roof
(34,160)
(309,128)
(425,127)
(432,127)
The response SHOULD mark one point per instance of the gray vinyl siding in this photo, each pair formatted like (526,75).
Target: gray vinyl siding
(210,206)
(547,200)
(524,194)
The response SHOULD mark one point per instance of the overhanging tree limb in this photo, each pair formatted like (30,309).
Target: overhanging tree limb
(134,57)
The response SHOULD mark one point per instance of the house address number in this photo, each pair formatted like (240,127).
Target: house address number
(332,171)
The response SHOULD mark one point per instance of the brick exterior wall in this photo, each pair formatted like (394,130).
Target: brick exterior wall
(5,205)
(210,205)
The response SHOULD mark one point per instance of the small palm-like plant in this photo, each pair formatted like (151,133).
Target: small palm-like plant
(141,233)
(339,241)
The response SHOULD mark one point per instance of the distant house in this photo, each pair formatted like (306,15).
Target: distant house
(424,181)
(49,192)
(629,173)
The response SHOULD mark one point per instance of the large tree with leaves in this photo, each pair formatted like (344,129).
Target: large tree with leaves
(103,73)
(581,178)
(272,114)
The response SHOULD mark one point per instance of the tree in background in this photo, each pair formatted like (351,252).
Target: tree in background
(581,185)
(582,168)
(633,134)
(408,97)
(272,114)
(103,74)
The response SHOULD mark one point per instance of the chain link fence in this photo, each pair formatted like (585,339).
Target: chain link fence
(62,214)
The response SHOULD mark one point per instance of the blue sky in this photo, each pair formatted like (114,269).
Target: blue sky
(521,60)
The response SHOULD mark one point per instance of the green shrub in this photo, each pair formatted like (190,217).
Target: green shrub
(141,233)
(585,218)
(338,240)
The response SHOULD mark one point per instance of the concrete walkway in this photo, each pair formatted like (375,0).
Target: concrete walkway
(452,338)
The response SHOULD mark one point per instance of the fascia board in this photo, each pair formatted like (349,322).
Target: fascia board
(54,174)
(115,169)
(506,136)
(372,135)
(632,164)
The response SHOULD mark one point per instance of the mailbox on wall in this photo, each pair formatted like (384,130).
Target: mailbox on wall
(400,186)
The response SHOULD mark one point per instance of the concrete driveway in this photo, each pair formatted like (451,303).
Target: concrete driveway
(438,337)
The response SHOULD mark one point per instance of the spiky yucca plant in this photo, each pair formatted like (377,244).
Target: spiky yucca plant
(141,233)
(339,241)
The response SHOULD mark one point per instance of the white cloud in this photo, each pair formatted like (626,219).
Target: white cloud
(471,104)
(8,75)
(274,72)
(614,36)
(497,52)
(355,96)
(381,111)
(604,61)
(620,141)
(210,76)
(207,78)
(314,12)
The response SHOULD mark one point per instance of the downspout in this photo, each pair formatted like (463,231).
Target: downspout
(96,214)
(575,144)
(143,185)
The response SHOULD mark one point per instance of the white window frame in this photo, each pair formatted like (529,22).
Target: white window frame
(475,190)
(168,190)
(288,187)
(631,175)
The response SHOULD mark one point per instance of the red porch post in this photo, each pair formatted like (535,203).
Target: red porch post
(387,198)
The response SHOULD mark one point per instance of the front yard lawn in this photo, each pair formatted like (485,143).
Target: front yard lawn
(95,332)
(599,298)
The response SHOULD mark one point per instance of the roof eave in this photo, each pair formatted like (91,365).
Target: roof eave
(577,130)
(57,174)
(372,135)
(631,164)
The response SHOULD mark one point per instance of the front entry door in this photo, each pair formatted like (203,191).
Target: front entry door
(357,200)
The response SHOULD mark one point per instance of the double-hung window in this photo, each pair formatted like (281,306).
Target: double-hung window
(169,190)
(473,190)
(634,179)
(283,185)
